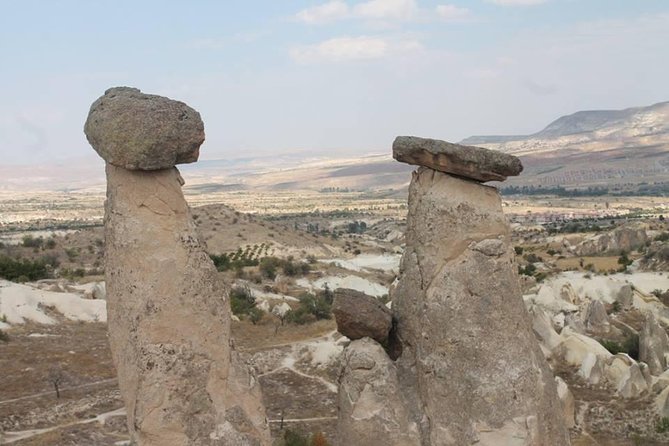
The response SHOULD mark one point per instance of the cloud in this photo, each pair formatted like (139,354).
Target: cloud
(344,49)
(386,9)
(517,2)
(369,10)
(327,12)
(452,12)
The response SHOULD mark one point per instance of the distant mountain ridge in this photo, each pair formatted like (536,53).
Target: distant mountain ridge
(603,148)
(634,121)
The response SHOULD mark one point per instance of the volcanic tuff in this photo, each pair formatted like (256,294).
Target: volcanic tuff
(469,367)
(169,316)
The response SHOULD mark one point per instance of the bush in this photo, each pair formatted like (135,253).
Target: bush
(662,425)
(255,315)
(32,242)
(630,346)
(4,337)
(662,237)
(22,270)
(292,438)
(519,250)
(318,305)
(269,266)
(241,301)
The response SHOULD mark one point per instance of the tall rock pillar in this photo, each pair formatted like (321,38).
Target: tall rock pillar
(169,315)
(468,366)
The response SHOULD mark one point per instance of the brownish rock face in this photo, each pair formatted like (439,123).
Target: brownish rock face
(471,162)
(359,315)
(169,322)
(139,131)
(168,312)
(469,368)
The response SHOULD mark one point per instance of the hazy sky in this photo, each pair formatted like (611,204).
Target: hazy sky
(280,76)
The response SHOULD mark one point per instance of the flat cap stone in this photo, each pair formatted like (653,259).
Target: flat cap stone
(471,162)
(359,315)
(138,131)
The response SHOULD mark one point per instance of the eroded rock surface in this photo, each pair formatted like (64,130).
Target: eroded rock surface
(469,368)
(359,315)
(168,312)
(471,162)
(654,345)
(139,131)
(371,409)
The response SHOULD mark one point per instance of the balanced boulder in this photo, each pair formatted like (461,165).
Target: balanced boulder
(470,162)
(359,315)
(139,131)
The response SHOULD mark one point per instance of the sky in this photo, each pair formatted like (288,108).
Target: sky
(324,77)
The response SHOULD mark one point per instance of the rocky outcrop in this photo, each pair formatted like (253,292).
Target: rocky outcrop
(169,315)
(134,130)
(568,402)
(359,315)
(654,345)
(470,162)
(596,319)
(623,239)
(370,405)
(470,368)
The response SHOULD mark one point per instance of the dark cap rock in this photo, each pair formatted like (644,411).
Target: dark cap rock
(359,315)
(138,131)
(471,162)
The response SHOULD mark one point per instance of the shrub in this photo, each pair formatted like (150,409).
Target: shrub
(4,337)
(32,242)
(662,237)
(22,270)
(269,266)
(318,439)
(241,300)
(255,315)
(318,306)
(630,346)
(292,438)
(662,425)
(519,250)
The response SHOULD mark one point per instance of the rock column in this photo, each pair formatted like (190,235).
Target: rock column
(169,315)
(469,368)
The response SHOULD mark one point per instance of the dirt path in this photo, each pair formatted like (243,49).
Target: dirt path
(12,437)
(53,392)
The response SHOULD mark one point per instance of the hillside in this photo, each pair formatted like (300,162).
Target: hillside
(611,148)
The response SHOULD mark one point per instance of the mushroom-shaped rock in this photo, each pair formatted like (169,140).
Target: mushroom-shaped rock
(138,131)
(359,315)
(475,163)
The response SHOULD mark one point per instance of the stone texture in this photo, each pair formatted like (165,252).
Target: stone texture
(653,345)
(592,368)
(568,402)
(475,163)
(574,347)
(596,319)
(370,408)
(470,368)
(624,238)
(359,315)
(169,322)
(140,131)
(625,296)
(543,329)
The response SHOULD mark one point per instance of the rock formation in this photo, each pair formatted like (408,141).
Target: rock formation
(469,367)
(169,316)
(654,345)
(359,315)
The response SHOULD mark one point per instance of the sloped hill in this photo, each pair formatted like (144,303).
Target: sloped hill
(592,148)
